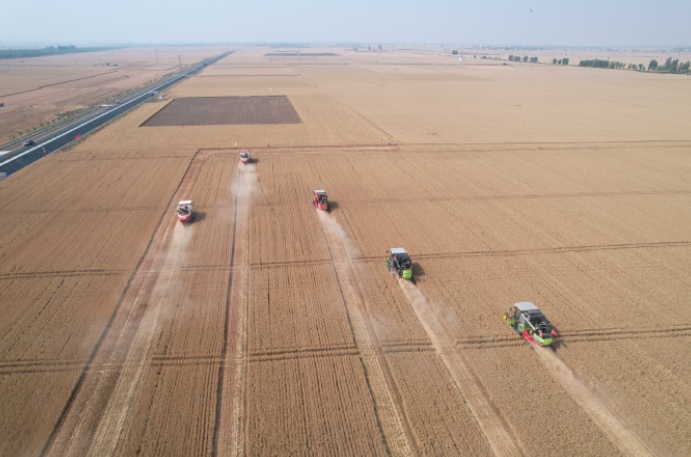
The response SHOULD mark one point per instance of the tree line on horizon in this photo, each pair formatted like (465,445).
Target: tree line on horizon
(524,59)
(670,66)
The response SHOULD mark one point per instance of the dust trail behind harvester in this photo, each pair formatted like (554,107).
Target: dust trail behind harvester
(117,412)
(389,405)
(608,420)
(97,415)
(229,436)
(497,435)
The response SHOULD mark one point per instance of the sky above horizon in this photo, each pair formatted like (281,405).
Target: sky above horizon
(494,22)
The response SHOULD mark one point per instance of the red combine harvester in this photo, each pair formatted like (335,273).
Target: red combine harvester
(185,211)
(320,200)
(245,156)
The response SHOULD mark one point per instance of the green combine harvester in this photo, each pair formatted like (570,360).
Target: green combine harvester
(529,322)
(398,262)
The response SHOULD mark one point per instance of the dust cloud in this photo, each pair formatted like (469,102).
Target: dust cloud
(247,182)
(117,411)
(331,225)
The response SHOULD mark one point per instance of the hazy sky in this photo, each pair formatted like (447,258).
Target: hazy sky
(554,22)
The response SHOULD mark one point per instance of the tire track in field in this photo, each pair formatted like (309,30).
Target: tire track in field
(97,413)
(394,423)
(497,434)
(229,428)
(604,416)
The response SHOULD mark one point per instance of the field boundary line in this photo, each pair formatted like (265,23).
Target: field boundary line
(387,134)
(555,250)
(540,143)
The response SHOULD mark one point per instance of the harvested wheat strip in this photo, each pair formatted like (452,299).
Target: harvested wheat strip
(497,435)
(117,411)
(229,434)
(605,417)
(390,411)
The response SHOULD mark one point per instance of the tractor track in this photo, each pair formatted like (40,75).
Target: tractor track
(394,423)
(96,414)
(231,397)
(496,431)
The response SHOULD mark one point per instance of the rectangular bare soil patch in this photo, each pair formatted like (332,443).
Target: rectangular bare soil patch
(225,111)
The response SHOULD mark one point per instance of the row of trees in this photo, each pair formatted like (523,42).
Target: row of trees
(524,59)
(598,63)
(671,66)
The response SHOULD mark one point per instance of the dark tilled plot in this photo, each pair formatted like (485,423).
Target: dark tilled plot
(225,111)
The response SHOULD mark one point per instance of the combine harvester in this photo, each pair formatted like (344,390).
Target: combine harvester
(398,262)
(185,211)
(245,156)
(320,200)
(528,321)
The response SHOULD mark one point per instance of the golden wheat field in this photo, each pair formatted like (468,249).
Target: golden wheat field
(266,327)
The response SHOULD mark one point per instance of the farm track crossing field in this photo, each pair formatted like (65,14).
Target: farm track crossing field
(266,327)
(225,111)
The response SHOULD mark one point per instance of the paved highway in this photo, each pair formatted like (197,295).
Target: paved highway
(20,157)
